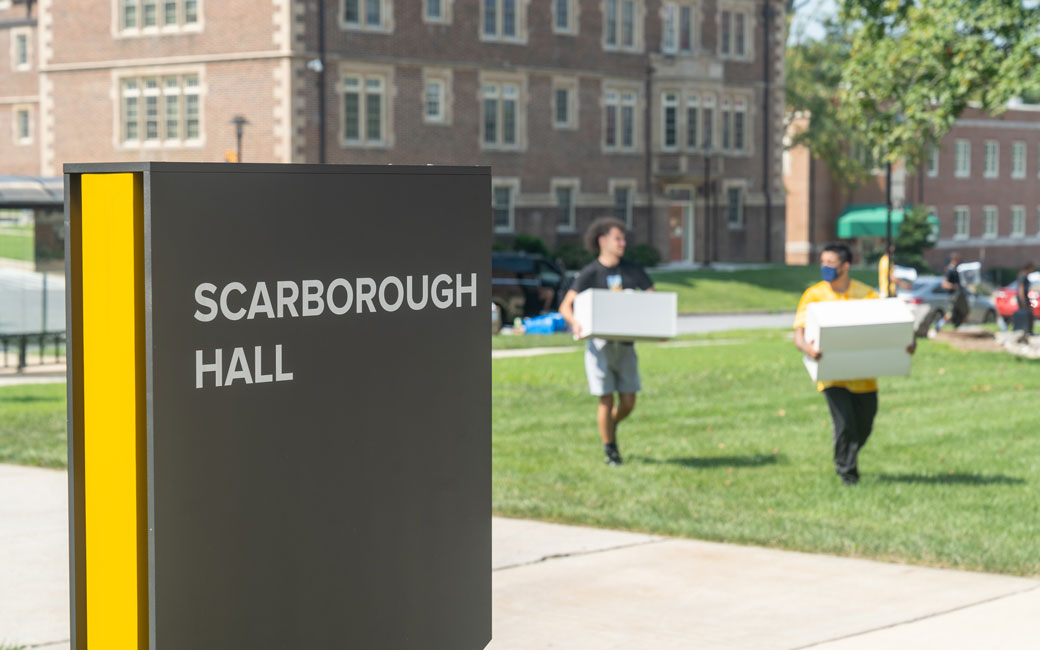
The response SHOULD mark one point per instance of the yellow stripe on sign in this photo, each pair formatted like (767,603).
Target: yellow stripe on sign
(114,460)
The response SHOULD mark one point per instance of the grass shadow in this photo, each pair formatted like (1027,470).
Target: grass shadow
(952,479)
(712,462)
(30,399)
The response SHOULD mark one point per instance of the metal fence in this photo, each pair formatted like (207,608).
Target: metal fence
(39,348)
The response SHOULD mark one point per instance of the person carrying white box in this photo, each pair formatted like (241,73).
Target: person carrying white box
(610,366)
(853,403)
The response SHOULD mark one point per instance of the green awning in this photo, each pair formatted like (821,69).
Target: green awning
(869,221)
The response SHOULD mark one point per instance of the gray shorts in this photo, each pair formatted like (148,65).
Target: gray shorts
(610,367)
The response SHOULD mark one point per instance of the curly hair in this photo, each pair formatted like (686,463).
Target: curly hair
(598,228)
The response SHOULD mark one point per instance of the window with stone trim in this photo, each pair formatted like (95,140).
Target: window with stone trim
(623,24)
(366,109)
(1018,221)
(437,11)
(21,53)
(1018,160)
(933,161)
(708,122)
(503,204)
(22,125)
(623,192)
(619,106)
(693,104)
(565,192)
(670,121)
(167,15)
(677,29)
(962,160)
(160,110)
(501,115)
(503,20)
(435,93)
(565,103)
(961,222)
(991,160)
(367,15)
(733,30)
(990,222)
(565,16)
(735,206)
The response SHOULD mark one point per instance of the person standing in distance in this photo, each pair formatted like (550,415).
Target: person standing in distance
(853,404)
(610,366)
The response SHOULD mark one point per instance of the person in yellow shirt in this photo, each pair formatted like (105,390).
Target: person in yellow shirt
(853,404)
(888,283)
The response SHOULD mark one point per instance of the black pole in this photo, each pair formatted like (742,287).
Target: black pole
(767,11)
(648,170)
(888,227)
(321,81)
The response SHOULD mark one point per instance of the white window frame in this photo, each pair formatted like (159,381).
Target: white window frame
(672,27)
(741,188)
(16,124)
(444,78)
(670,99)
(573,12)
(962,159)
(727,11)
(933,161)
(513,184)
(446,12)
(161,26)
(990,227)
(620,97)
(1018,159)
(503,88)
(740,107)
(16,34)
(991,159)
(386,17)
(570,86)
(360,79)
(692,101)
(570,221)
(1018,221)
(182,90)
(520,22)
(613,26)
(629,184)
(960,232)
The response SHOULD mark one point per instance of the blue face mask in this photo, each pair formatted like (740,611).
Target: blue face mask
(828,273)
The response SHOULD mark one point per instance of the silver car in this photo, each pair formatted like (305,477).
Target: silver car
(929,302)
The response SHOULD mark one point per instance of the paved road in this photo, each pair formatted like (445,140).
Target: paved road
(722,322)
(580,588)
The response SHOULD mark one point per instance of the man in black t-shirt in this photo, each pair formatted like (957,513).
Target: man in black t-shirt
(610,366)
(958,309)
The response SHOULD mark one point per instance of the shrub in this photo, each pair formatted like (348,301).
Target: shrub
(573,255)
(530,244)
(643,254)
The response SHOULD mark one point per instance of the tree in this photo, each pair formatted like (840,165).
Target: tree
(914,65)
(916,235)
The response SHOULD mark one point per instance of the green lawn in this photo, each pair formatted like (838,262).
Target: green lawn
(16,244)
(732,443)
(773,289)
(32,425)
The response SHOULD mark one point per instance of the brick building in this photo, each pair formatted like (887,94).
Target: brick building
(580,107)
(982,182)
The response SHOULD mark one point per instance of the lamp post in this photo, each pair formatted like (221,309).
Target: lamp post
(240,123)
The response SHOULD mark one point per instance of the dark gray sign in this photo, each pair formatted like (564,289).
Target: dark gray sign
(319,422)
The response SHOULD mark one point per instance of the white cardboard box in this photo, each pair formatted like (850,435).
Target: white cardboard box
(626,315)
(859,339)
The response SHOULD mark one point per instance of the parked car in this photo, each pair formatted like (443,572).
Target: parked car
(525,284)
(1006,298)
(929,302)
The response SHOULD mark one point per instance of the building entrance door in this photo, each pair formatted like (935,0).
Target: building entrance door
(680,230)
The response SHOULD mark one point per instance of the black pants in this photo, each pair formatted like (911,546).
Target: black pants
(853,416)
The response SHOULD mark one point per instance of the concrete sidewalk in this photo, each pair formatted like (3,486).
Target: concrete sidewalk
(586,589)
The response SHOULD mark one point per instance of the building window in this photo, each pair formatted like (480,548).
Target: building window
(365,110)
(727,124)
(739,125)
(619,120)
(437,11)
(735,207)
(962,164)
(22,125)
(961,223)
(1018,221)
(20,49)
(137,15)
(1018,160)
(501,117)
(733,34)
(989,221)
(161,110)
(670,121)
(622,24)
(564,103)
(933,162)
(502,20)
(372,15)
(623,193)
(991,164)
(566,192)
(677,29)
(565,19)
(503,197)
(692,115)
(433,101)
(708,123)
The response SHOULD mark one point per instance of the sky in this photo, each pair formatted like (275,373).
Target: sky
(807,22)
